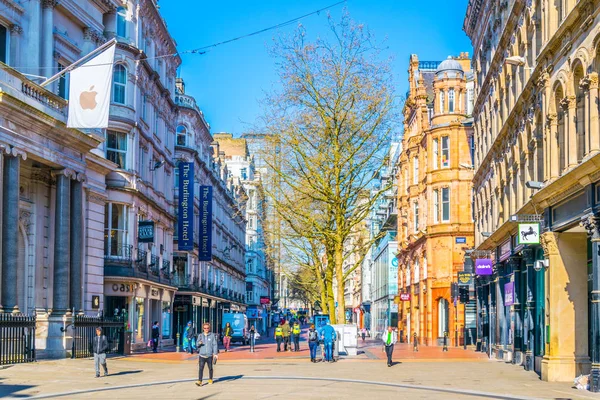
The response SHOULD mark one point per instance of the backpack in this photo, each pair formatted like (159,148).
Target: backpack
(313,336)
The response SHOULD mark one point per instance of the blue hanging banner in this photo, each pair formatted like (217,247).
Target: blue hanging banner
(185,219)
(205,223)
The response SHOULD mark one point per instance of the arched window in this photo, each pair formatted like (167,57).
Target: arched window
(442,101)
(579,112)
(122,22)
(442,317)
(119,84)
(561,120)
(182,136)
(451,100)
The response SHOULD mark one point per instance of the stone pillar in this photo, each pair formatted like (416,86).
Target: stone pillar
(566,353)
(594,123)
(110,24)
(10,228)
(591,223)
(552,145)
(32,49)
(570,105)
(48,38)
(62,242)
(76,244)
(15,45)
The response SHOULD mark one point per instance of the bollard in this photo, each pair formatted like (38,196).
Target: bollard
(445,348)
(415,342)
(177,347)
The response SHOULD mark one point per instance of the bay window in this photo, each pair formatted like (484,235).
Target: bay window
(116,148)
(115,229)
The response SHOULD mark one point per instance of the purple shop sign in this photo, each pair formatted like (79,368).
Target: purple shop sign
(509,294)
(483,266)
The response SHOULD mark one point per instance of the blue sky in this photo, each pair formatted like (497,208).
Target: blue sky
(228,81)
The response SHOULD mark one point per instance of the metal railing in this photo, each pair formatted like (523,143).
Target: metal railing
(140,261)
(17,338)
(85,331)
(154,268)
(166,269)
(121,254)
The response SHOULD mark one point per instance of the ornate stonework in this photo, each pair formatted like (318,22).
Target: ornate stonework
(549,243)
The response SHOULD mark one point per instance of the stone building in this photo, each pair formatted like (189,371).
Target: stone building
(537,148)
(435,224)
(240,164)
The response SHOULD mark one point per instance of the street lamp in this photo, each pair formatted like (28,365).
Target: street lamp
(517,61)
(534,185)
(486,234)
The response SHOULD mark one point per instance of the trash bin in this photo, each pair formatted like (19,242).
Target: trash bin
(127,343)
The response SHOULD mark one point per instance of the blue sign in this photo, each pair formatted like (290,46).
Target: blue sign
(461,240)
(185,219)
(205,223)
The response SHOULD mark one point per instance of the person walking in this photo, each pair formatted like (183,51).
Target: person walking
(389,339)
(189,337)
(328,339)
(99,347)
(363,334)
(208,352)
(155,336)
(279,336)
(296,336)
(313,342)
(286,336)
(227,334)
(252,335)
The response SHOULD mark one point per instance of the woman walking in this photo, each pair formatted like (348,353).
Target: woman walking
(227,336)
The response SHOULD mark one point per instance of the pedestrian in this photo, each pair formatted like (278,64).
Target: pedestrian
(389,339)
(227,336)
(99,347)
(296,336)
(189,337)
(155,336)
(328,335)
(313,342)
(279,336)
(286,336)
(208,352)
(252,335)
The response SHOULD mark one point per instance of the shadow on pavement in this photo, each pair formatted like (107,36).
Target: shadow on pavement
(11,390)
(229,378)
(137,371)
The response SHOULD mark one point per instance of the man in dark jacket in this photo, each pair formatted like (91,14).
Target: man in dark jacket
(155,336)
(99,347)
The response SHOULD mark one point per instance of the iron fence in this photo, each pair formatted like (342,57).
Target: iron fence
(17,338)
(85,330)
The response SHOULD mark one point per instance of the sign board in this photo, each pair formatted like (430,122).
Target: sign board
(95,302)
(196,300)
(465,278)
(460,240)
(483,266)
(154,293)
(205,223)
(204,302)
(405,296)
(529,233)
(146,231)
(509,294)
(393,307)
(393,276)
(266,300)
(185,216)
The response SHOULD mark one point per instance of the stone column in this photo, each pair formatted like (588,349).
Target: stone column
(110,24)
(594,127)
(10,228)
(591,223)
(570,105)
(48,38)
(15,45)
(62,241)
(32,44)
(552,145)
(76,244)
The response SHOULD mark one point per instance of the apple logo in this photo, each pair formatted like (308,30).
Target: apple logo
(87,100)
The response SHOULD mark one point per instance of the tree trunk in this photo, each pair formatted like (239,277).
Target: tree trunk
(329,269)
(339,276)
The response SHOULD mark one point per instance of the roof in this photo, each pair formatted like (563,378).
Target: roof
(449,66)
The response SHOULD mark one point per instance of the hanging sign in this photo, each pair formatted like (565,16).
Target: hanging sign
(529,233)
(465,278)
(483,266)
(205,223)
(185,218)
(509,294)
(146,231)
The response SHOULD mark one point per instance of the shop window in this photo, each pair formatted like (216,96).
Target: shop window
(115,230)
(442,317)
(166,319)
(116,148)
(139,321)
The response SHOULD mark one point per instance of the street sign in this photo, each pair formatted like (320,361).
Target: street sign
(465,278)
(460,240)
(405,296)
(529,233)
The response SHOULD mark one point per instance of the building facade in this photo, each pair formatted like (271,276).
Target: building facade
(537,143)
(435,226)
(241,167)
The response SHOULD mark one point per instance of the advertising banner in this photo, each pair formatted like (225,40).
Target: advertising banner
(509,294)
(393,276)
(205,223)
(405,296)
(483,266)
(185,219)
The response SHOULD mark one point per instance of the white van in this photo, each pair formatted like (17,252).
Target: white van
(239,324)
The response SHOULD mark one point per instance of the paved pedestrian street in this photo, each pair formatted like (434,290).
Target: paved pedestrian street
(266,374)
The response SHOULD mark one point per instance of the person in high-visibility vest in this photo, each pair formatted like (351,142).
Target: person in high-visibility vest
(296,336)
(279,337)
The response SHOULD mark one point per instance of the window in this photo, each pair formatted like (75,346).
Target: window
(451,100)
(436,153)
(63,83)
(470,97)
(445,204)
(116,148)
(442,317)
(144,106)
(442,100)
(445,151)
(436,206)
(415,170)
(119,84)
(416,216)
(122,22)
(4,44)
(181,136)
(115,230)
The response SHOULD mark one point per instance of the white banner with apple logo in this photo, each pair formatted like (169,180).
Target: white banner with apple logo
(89,91)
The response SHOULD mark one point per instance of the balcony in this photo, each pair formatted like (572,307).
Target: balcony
(123,262)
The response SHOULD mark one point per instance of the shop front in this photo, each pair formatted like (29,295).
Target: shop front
(140,303)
